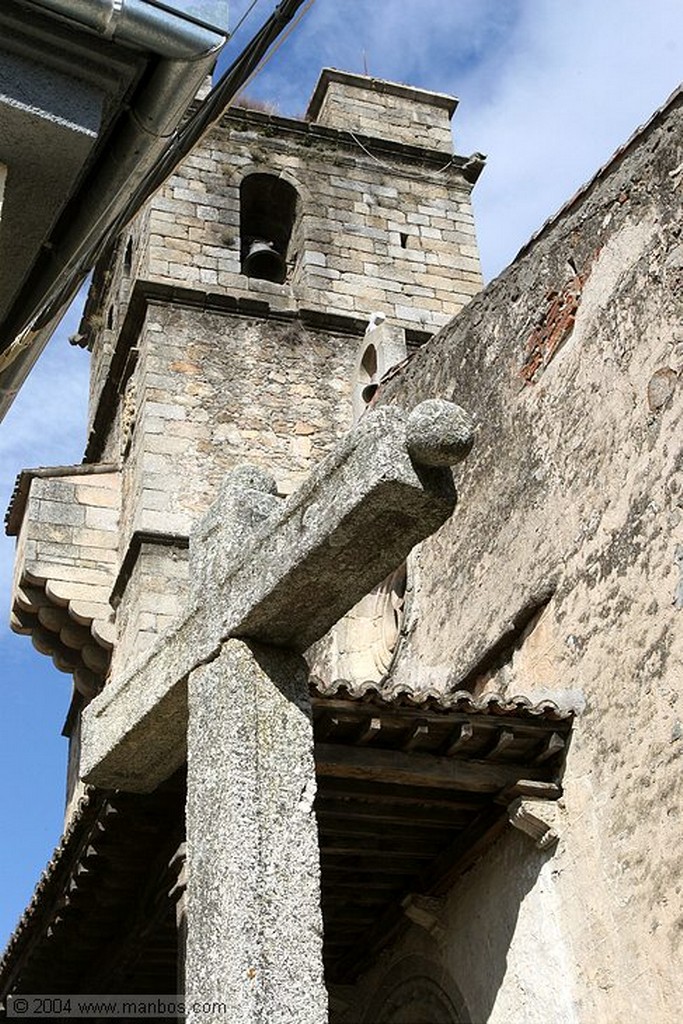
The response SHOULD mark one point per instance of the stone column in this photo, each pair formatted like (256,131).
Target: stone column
(254,929)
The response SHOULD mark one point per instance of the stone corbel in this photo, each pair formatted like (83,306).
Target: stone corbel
(425,911)
(530,816)
(178,868)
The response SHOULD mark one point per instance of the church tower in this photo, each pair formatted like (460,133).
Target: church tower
(228,325)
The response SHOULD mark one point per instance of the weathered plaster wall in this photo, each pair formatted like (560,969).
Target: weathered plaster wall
(560,575)
(507,962)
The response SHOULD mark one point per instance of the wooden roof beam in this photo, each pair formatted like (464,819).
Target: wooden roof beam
(418,769)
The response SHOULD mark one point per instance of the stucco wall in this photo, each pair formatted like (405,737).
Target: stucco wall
(559,575)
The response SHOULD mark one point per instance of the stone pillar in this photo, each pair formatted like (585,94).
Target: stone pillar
(254,929)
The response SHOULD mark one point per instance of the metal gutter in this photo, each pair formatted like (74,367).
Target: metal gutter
(181,55)
(140,24)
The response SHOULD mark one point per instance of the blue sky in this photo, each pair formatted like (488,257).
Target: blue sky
(548,89)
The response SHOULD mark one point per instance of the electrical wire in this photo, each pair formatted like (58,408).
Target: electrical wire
(252,60)
(244,17)
(191,134)
(283,38)
(383,163)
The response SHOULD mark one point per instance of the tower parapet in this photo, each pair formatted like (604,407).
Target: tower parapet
(384,110)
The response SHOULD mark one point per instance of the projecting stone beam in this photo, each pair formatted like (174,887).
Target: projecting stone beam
(284,579)
(353,521)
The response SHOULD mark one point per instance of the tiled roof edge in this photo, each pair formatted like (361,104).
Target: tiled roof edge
(428,698)
(86,811)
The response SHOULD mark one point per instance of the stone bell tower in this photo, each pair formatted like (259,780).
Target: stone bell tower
(228,326)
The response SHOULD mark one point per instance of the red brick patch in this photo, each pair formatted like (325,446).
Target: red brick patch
(554,327)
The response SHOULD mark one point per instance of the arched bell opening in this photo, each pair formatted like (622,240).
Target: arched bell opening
(268,207)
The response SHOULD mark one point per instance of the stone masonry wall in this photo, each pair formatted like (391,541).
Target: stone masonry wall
(560,575)
(212,391)
(373,234)
(107,304)
(65,566)
(156,590)
(215,390)
(66,548)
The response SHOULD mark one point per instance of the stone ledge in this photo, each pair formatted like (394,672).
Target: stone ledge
(430,159)
(132,554)
(146,292)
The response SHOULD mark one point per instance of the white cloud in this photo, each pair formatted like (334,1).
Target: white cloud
(580,80)
(548,89)
(413,41)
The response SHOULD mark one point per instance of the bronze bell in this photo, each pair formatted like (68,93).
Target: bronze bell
(264,262)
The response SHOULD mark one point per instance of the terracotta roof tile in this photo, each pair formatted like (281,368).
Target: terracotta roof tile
(402,694)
